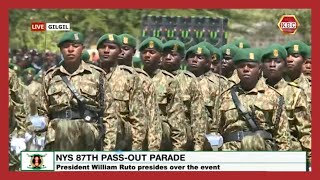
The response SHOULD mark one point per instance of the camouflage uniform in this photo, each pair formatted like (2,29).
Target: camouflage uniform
(304,84)
(34,88)
(265,100)
(128,95)
(211,86)
(196,121)
(171,110)
(234,79)
(17,116)
(154,130)
(56,99)
(298,115)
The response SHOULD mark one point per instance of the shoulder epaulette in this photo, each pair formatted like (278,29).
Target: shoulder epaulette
(51,69)
(96,68)
(127,68)
(190,74)
(294,84)
(140,71)
(167,73)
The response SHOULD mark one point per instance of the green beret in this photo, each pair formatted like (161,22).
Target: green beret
(309,54)
(111,38)
(297,46)
(15,67)
(153,43)
(71,36)
(127,39)
(275,51)
(199,50)
(85,56)
(248,54)
(29,70)
(241,43)
(229,50)
(213,50)
(174,45)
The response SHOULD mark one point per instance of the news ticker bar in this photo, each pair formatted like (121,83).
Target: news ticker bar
(162,161)
(42,26)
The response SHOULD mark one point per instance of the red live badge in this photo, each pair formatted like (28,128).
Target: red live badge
(288,24)
(38,26)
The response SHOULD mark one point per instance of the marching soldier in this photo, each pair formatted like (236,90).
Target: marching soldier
(251,115)
(168,94)
(295,99)
(76,103)
(127,93)
(227,67)
(154,128)
(306,67)
(173,53)
(297,55)
(17,121)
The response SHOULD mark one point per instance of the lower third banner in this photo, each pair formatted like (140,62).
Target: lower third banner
(162,161)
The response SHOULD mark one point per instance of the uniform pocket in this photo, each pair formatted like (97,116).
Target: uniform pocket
(122,99)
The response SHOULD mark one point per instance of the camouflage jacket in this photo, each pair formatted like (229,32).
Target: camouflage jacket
(34,88)
(193,106)
(154,130)
(17,111)
(298,114)
(55,96)
(128,95)
(211,86)
(171,107)
(234,79)
(265,100)
(302,82)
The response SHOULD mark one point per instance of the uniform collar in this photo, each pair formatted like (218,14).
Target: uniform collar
(260,87)
(282,83)
(82,67)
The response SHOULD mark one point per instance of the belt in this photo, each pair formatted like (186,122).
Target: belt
(72,115)
(239,135)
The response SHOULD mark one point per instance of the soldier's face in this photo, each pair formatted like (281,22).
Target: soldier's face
(227,64)
(197,62)
(150,57)
(306,67)
(108,52)
(215,66)
(248,71)
(273,68)
(294,62)
(171,60)
(126,53)
(71,52)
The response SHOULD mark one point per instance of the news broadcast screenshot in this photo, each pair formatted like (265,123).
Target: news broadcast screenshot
(159,90)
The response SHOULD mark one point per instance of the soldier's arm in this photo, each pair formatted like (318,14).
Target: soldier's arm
(198,120)
(217,117)
(281,130)
(137,115)
(176,118)
(43,99)
(154,121)
(110,120)
(20,113)
(303,122)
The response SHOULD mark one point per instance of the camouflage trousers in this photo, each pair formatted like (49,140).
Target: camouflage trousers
(166,143)
(71,135)
(295,146)
(124,136)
